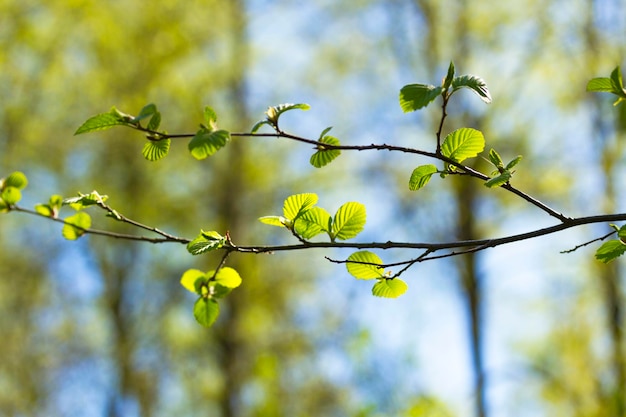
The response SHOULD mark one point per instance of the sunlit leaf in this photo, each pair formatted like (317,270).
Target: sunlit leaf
(621,233)
(421,176)
(210,117)
(85,200)
(416,96)
(513,162)
(474,83)
(205,143)
(104,121)
(155,121)
(202,244)
(297,204)
(389,288)
(258,125)
(449,77)
(206,310)
(462,144)
(274,220)
(499,180)
(495,159)
(349,221)
(16,179)
(147,111)
(153,150)
(325,156)
(192,279)
(313,222)
(11,195)
(80,219)
(601,84)
(363,265)
(227,277)
(616,80)
(610,250)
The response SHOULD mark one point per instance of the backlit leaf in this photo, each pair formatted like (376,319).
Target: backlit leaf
(474,83)
(104,121)
(153,150)
(227,277)
(389,288)
(462,144)
(313,222)
(202,244)
(601,84)
(147,111)
(192,279)
(273,220)
(205,143)
(205,311)
(80,219)
(416,96)
(325,156)
(349,221)
(363,265)
(11,195)
(421,176)
(610,250)
(499,180)
(16,179)
(297,204)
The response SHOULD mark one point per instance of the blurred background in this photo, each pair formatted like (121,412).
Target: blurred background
(102,328)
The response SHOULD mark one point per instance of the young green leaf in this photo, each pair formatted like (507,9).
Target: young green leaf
(463,143)
(210,118)
(147,111)
(105,121)
(495,159)
(364,265)
(153,150)
(349,221)
(295,205)
(76,225)
(205,143)
(274,221)
(205,242)
(513,162)
(415,96)
(474,83)
(449,77)
(11,195)
(621,233)
(85,200)
(421,176)
(325,156)
(616,80)
(389,288)
(258,125)
(499,180)
(16,179)
(601,84)
(227,277)
(52,208)
(206,310)
(313,222)
(193,279)
(610,250)
(155,121)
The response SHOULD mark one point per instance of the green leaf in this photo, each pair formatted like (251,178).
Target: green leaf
(325,156)
(16,179)
(52,208)
(621,233)
(449,77)
(85,200)
(147,111)
(227,277)
(82,220)
(155,121)
(11,195)
(4,207)
(389,288)
(206,143)
(349,221)
(415,96)
(210,117)
(513,162)
(495,159)
(274,220)
(258,125)
(421,176)
(219,291)
(297,204)
(363,265)
(153,150)
(616,80)
(44,210)
(104,121)
(499,180)
(600,85)
(474,83)
(463,143)
(313,222)
(205,242)
(193,279)
(206,310)
(610,250)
